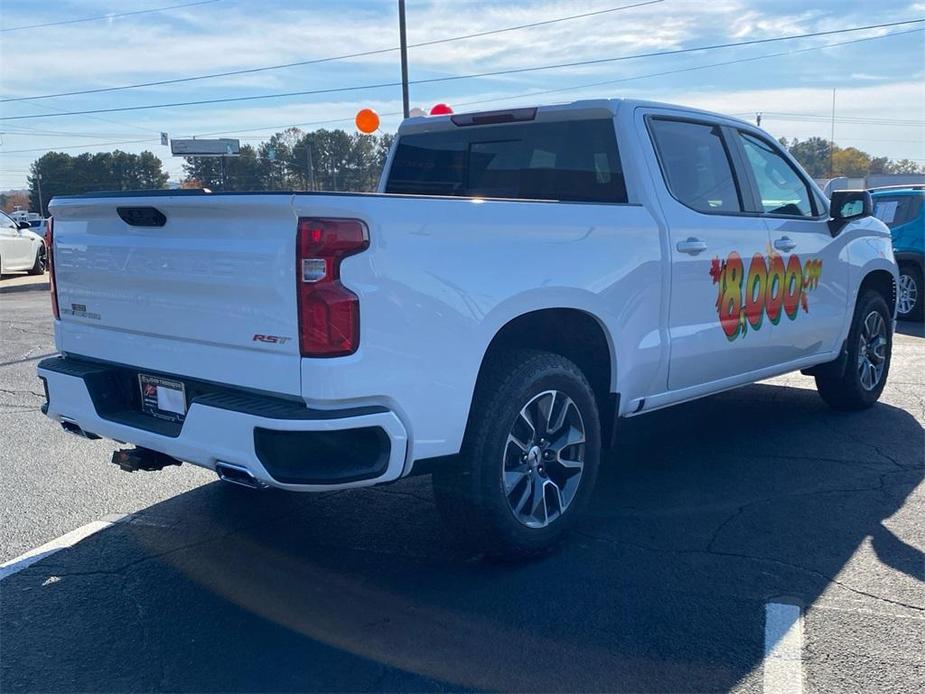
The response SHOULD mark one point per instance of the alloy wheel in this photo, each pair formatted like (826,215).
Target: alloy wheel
(544,458)
(872,350)
(908,294)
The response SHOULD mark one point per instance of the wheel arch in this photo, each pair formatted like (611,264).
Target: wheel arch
(911,258)
(882,281)
(573,333)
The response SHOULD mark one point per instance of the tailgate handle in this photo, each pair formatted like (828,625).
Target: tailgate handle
(142,216)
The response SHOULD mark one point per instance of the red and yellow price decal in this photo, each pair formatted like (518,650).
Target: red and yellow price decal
(769,288)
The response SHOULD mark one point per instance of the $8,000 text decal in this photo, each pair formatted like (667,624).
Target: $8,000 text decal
(768,289)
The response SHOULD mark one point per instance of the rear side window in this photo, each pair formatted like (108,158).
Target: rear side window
(896,210)
(571,161)
(696,165)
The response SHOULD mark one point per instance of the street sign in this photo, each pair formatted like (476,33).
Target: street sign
(222,147)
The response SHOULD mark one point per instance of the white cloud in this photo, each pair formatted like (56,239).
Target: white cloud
(232,36)
(236,38)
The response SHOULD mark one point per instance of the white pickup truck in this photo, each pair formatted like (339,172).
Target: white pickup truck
(522,279)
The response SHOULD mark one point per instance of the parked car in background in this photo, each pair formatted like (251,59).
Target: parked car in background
(901,209)
(21,249)
(24,216)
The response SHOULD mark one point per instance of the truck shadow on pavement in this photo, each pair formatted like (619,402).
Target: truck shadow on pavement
(703,514)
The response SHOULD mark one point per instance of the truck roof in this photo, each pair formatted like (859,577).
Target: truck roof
(899,189)
(584,108)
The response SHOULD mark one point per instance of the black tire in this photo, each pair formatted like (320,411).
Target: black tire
(38,267)
(911,288)
(850,391)
(472,497)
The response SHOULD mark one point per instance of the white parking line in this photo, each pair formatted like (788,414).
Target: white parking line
(68,540)
(783,648)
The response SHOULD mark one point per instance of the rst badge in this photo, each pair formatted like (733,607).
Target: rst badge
(271,339)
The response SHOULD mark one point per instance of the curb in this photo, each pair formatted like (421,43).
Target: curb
(42,287)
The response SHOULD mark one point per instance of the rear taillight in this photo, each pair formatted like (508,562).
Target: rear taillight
(329,313)
(50,263)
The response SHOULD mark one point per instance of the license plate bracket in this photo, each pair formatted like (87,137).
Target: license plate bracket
(163,398)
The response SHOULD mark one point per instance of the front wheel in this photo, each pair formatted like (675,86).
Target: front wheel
(910,298)
(870,345)
(530,458)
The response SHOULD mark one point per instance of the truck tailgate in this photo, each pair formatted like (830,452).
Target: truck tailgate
(209,293)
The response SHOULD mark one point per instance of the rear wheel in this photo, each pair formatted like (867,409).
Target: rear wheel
(530,457)
(870,344)
(910,299)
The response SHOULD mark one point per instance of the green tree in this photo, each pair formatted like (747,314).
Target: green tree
(207,171)
(242,172)
(850,162)
(905,166)
(880,165)
(57,173)
(279,166)
(813,155)
(295,160)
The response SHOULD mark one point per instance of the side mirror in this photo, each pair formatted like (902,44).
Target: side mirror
(23,225)
(847,205)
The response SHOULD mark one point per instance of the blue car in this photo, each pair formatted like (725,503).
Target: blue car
(901,209)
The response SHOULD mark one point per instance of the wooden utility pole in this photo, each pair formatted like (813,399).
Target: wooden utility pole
(404,56)
(832,140)
(309,163)
(38,183)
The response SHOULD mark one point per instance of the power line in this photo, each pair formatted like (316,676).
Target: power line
(860,120)
(586,85)
(692,69)
(109,16)
(84,146)
(453,78)
(53,133)
(316,61)
(96,118)
(530,94)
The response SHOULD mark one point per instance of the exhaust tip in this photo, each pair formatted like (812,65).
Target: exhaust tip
(235,474)
(72,427)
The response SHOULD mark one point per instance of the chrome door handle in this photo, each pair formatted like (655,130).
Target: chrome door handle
(692,246)
(785,244)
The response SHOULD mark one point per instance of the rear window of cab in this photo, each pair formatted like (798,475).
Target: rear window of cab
(568,161)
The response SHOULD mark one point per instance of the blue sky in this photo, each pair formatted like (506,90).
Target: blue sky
(880,85)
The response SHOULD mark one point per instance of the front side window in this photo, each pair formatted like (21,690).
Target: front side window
(570,161)
(781,189)
(696,165)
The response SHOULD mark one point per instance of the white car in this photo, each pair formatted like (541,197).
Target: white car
(523,279)
(21,249)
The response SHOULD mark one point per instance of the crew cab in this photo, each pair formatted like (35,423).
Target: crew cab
(521,280)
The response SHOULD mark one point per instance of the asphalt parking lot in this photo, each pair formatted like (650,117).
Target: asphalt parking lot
(705,515)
